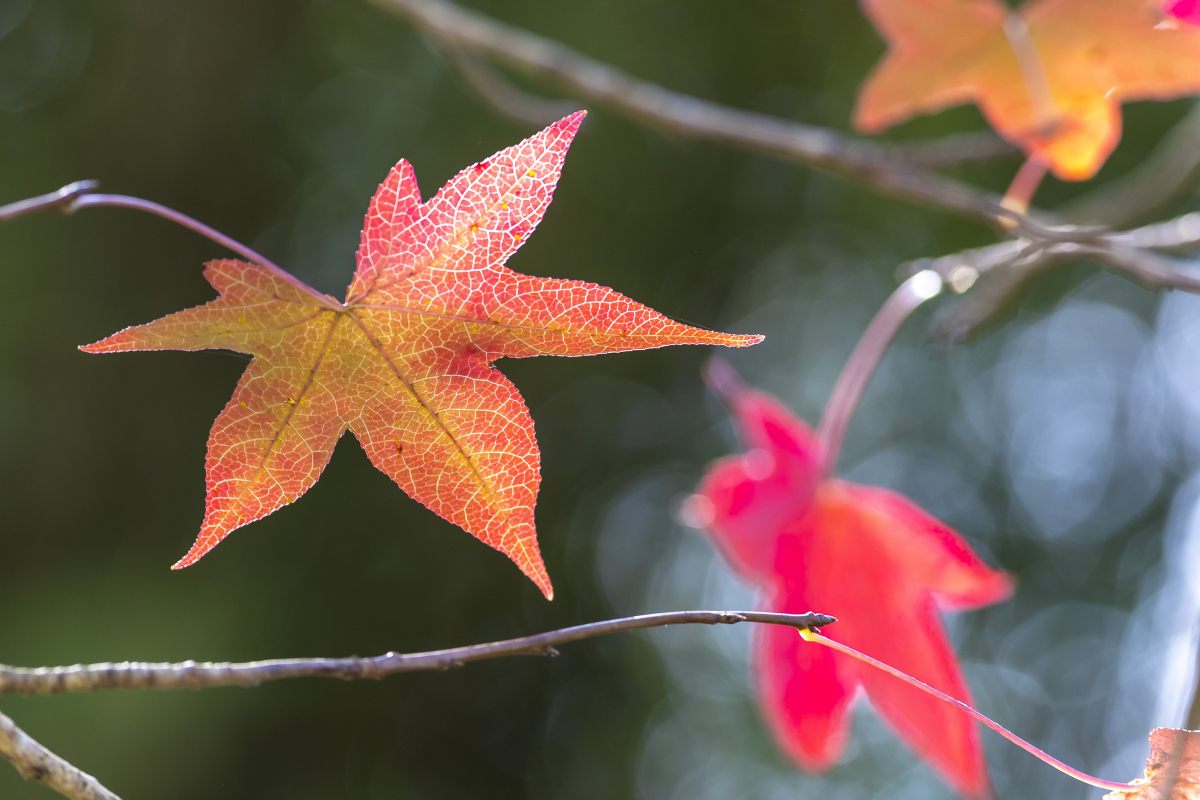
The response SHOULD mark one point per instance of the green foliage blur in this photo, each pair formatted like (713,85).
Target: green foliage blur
(273,122)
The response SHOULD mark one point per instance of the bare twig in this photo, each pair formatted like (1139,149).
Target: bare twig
(36,763)
(1003,269)
(1008,267)
(951,149)
(193,675)
(503,95)
(62,200)
(453,27)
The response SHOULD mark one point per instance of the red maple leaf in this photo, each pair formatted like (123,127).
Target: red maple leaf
(865,555)
(406,361)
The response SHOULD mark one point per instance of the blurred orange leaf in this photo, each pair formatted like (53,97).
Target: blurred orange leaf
(1049,76)
(406,361)
(1172,770)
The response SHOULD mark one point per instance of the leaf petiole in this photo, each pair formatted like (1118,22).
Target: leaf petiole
(1022,189)
(83,194)
(867,353)
(811,635)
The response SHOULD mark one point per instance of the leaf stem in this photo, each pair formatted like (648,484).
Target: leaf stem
(1023,187)
(866,356)
(89,199)
(82,194)
(813,636)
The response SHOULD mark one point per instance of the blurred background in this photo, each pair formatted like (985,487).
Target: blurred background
(1063,444)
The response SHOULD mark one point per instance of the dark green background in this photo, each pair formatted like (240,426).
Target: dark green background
(273,122)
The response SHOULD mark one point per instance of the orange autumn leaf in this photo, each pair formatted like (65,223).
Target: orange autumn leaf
(1172,770)
(1049,76)
(405,362)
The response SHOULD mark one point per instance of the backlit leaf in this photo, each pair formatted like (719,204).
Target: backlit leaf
(405,363)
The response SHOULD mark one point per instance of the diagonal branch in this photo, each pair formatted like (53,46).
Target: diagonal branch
(36,763)
(538,112)
(455,28)
(193,675)
(502,95)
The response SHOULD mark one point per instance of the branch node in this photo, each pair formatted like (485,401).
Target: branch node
(72,191)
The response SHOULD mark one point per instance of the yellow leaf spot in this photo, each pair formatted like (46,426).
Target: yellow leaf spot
(241,319)
(532,174)
(474,227)
(504,206)
(243,405)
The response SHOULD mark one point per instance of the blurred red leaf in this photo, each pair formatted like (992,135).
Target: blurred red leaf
(406,362)
(867,556)
(1172,770)
(1186,10)
(1050,76)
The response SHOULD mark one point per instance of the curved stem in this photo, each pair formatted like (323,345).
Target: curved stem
(862,363)
(89,199)
(1023,187)
(60,199)
(81,194)
(813,636)
(193,675)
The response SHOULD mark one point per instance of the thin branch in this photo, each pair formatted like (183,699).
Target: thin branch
(61,200)
(80,194)
(1003,269)
(952,149)
(36,763)
(453,27)
(193,675)
(537,112)
(1008,267)
(502,95)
